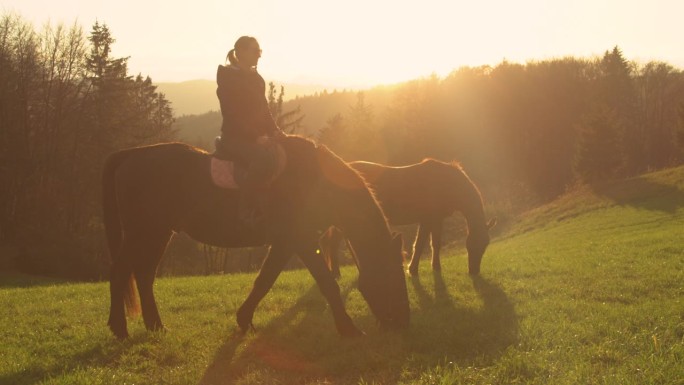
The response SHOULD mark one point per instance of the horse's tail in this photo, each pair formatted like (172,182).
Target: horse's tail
(112,225)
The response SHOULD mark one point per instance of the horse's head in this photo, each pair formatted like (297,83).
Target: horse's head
(383,286)
(476,244)
(352,207)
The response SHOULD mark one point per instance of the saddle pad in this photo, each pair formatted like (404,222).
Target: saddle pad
(226,175)
(223,173)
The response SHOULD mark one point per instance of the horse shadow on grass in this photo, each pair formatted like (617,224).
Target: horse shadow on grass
(279,347)
(296,346)
(99,355)
(462,333)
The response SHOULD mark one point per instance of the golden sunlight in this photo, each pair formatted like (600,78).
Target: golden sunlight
(361,43)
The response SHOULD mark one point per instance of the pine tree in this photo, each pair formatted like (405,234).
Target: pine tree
(361,114)
(361,140)
(332,133)
(153,113)
(617,93)
(109,94)
(660,92)
(599,153)
(289,121)
(679,136)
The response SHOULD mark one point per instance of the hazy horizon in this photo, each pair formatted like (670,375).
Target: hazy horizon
(359,44)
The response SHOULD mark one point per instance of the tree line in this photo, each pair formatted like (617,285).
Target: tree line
(523,131)
(534,129)
(65,104)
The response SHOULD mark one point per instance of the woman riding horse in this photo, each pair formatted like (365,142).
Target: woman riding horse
(247,121)
(152,192)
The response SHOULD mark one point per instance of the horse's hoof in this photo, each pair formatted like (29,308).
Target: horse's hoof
(248,328)
(120,334)
(244,320)
(156,327)
(119,329)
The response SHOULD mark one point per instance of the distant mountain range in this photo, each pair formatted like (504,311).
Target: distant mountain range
(195,97)
(198,119)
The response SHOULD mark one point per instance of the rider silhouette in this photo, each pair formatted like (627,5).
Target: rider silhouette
(247,121)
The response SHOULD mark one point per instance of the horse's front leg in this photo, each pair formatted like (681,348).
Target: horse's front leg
(436,242)
(275,262)
(418,246)
(330,243)
(330,289)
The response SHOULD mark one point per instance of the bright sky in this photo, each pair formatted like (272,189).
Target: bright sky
(355,43)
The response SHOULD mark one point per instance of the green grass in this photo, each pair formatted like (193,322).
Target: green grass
(586,290)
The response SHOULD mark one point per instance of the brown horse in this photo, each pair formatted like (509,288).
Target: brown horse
(151,192)
(424,193)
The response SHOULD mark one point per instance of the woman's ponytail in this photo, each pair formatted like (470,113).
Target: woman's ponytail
(231,57)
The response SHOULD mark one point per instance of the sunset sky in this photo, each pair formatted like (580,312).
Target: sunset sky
(355,43)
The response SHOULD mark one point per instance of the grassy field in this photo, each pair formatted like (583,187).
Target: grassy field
(586,290)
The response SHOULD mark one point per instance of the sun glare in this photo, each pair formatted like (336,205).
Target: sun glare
(363,43)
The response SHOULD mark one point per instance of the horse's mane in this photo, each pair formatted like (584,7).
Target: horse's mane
(453,163)
(332,166)
(345,178)
(341,173)
(457,165)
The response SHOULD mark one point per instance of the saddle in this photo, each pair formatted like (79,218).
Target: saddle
(228,174)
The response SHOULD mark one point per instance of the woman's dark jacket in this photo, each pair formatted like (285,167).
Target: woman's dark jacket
(243,105)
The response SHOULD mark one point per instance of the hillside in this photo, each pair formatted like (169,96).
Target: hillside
(200,129)
(195,97)
(660,192)
(585,290)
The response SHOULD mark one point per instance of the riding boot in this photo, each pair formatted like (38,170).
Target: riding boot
(252,201)
(251,206)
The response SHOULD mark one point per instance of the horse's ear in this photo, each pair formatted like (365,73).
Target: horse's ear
(491,223)
(398,241)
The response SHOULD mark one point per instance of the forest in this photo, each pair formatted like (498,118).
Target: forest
(65,104)
(535,129)
(525,133)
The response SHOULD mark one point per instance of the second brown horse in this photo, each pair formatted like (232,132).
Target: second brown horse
(424,193)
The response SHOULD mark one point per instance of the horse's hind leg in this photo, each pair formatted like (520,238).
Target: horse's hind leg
(274,263)
(418,246)
(149,249)
(120,274)
(436,242)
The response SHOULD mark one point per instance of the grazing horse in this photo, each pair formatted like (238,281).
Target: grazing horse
(151,192)
(424,193)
